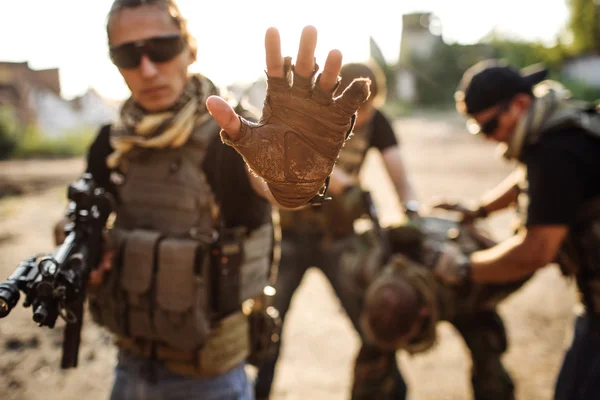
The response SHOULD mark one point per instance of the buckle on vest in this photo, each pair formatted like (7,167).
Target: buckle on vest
(320,197)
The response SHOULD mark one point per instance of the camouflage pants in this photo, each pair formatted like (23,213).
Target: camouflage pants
(376,376)
(376,372)
(485,336)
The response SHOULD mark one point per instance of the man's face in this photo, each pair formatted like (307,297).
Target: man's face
(155,86)
(499,122)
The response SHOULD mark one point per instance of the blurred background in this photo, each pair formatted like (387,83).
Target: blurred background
(57,83)
(58,86)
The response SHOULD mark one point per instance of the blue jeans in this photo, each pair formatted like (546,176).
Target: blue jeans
(579,377)
(132,383)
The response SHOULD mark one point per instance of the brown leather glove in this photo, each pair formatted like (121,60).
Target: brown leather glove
(297,140)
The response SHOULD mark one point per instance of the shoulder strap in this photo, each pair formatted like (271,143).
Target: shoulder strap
(573,114)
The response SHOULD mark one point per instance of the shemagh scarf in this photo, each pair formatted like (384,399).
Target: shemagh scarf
(548,95)
(139,128)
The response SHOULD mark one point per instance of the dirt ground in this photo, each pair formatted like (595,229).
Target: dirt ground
(319,343)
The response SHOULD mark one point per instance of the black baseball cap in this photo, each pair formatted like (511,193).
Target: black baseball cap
(491,82)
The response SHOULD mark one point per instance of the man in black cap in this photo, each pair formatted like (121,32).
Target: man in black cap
(556,141)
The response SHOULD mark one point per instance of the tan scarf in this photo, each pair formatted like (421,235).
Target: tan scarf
(548,95)
(171,128)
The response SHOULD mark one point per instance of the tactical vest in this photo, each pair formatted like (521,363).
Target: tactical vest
(331,217)
(580,252)
(172,260)
(570,114)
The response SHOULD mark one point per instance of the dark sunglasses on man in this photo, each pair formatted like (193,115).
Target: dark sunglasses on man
(158,49)
(488,127)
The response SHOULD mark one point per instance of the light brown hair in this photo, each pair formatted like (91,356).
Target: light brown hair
(369,69)
(170,6)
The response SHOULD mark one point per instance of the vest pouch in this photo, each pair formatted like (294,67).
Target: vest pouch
(254,274)
(106,305)
(106,301)
(181,316)
(228,346)
(138,263)
(229,251)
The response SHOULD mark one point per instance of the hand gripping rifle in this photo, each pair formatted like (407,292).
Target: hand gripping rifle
(54,285)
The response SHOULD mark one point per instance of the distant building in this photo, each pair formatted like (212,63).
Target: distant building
(17,81)
(35,98)
(421,40)
(417,41)
(55,115)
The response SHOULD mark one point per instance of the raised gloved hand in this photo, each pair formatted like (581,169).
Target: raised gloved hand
(295,144)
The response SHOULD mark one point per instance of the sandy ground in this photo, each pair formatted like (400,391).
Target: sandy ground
(319,343)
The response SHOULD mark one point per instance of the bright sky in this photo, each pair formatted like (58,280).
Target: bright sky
(70,34)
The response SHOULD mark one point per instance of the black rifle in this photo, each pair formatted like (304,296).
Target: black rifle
(54,285)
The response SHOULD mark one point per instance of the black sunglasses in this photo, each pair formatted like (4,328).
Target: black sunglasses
(488,127)
(158,49)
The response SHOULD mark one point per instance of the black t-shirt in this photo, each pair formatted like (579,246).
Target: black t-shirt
(382,133)
(563,172)
(225,171)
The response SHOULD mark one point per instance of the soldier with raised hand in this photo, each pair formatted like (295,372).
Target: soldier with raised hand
(194,183)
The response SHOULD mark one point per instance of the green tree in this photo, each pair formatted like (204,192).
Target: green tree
(437,77)
(8,133)
(521,53)
(584,25)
